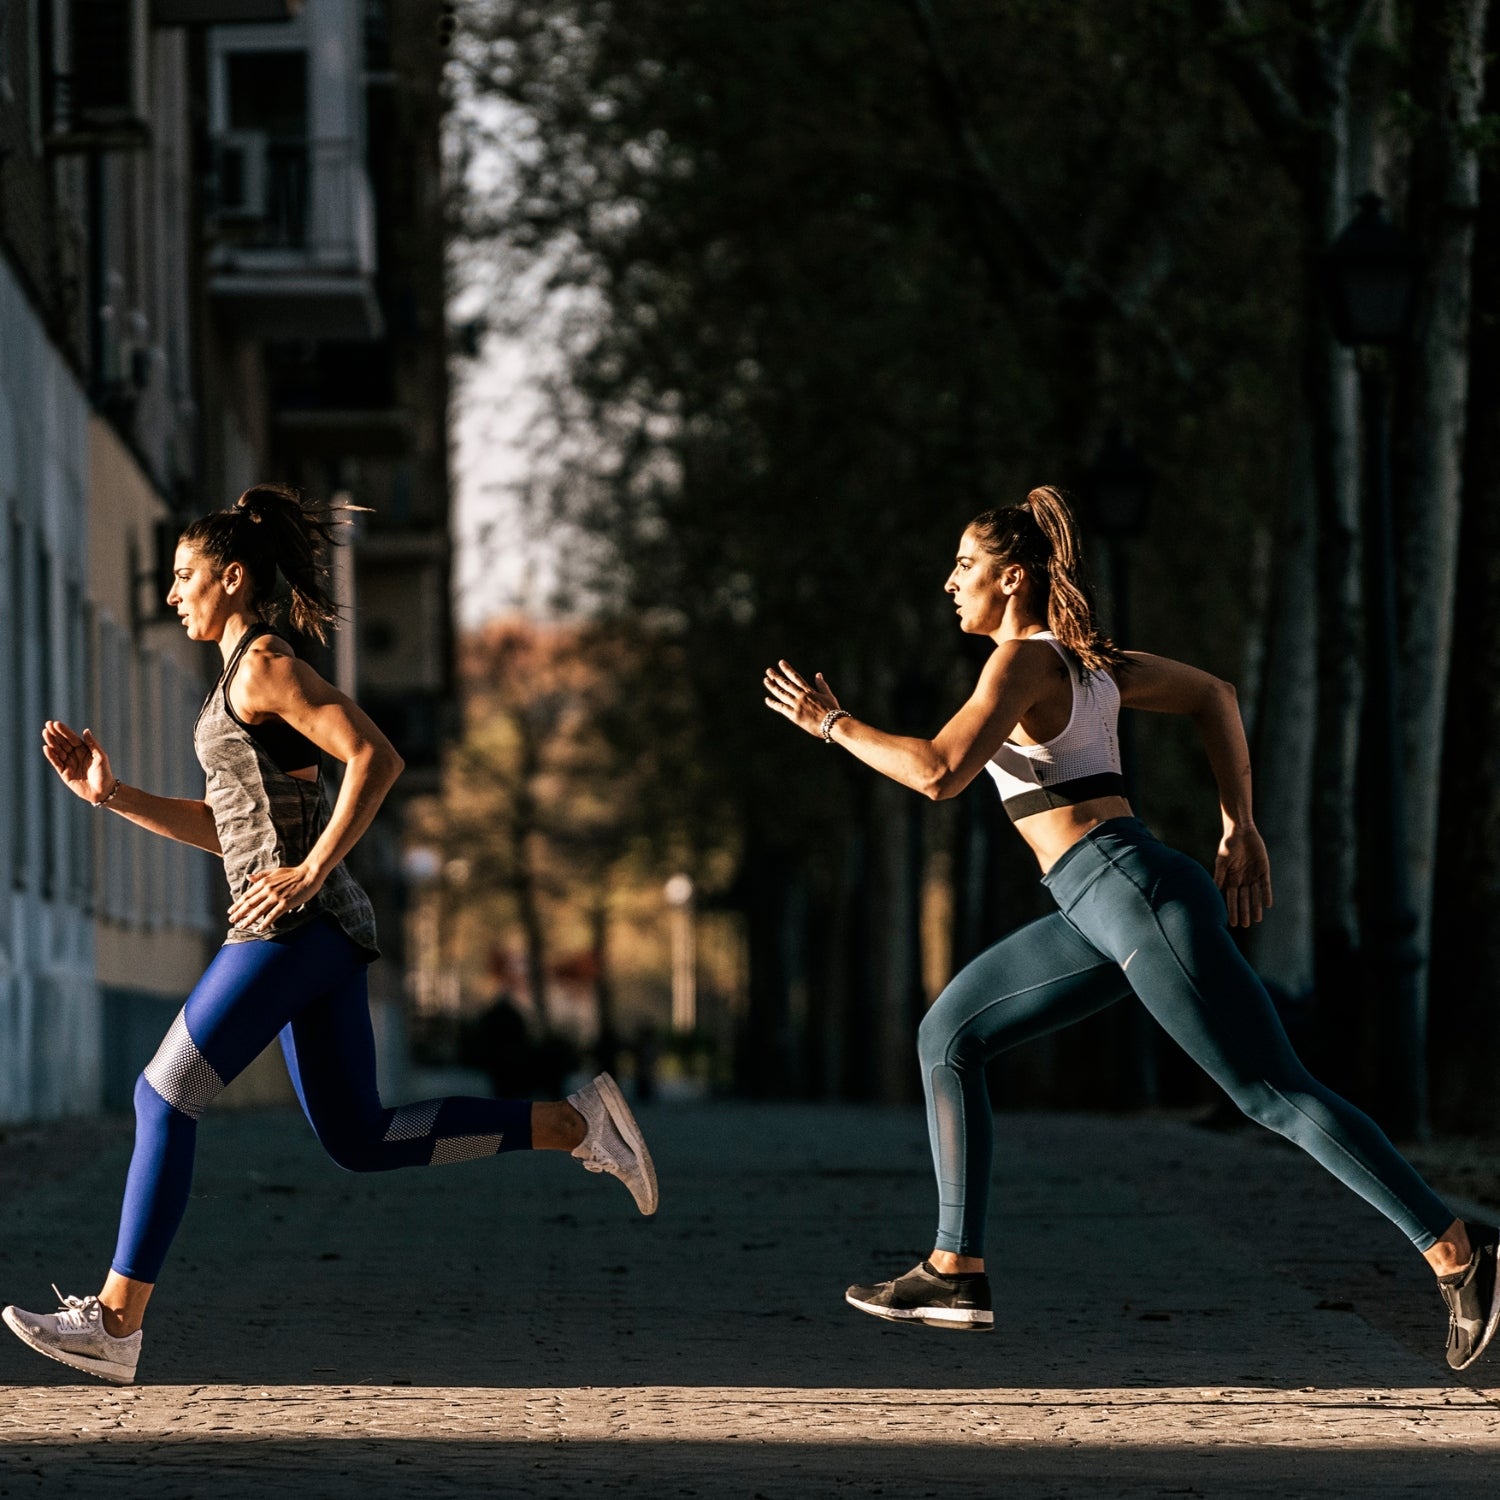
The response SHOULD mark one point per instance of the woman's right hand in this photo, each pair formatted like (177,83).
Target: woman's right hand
(79,759)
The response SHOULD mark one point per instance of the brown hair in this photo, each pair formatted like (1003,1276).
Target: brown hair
(1042,537)
(271,528)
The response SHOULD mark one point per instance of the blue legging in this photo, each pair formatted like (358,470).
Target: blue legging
(310,988)
(1137,917)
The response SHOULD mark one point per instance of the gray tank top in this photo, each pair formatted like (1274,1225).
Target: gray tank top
(267,818)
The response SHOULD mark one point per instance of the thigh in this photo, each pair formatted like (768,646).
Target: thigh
(251,990)
(1035,980)
(330,1053)
(1183,964)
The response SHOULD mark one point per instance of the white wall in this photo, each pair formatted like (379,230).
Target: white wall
(50,1024)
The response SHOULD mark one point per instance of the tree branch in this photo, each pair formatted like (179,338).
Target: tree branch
(1070,282)
(1282,117)
(1350,18)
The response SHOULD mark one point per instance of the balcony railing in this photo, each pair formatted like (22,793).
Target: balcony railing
(293,247)
(221,12)
(291,204)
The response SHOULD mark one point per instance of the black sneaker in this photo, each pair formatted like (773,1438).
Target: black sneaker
(1473,1300)
(961,1303)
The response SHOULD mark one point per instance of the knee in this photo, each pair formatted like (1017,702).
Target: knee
(934,1037)
(1267,1105)
(351,1151)
(943,1044)
(150,1107)
(180,1074)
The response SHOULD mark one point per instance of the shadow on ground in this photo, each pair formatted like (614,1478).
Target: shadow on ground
(764,1471)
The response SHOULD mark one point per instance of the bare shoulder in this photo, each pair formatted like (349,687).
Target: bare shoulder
(272,678)
(1020,663)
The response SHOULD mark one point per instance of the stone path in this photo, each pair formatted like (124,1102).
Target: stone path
(1181,1313)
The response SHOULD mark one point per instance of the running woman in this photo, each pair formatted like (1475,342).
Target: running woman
(301,931)
(1134,917)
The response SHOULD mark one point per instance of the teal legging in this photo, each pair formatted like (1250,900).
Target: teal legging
(1137,917)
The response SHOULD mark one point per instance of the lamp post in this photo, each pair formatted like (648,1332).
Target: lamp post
(1369,276)
(679,896)
(1119,483)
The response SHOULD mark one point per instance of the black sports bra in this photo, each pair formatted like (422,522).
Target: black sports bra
(289,749)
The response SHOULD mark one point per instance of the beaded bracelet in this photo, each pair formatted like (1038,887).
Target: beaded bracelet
(830,719)
(109,796)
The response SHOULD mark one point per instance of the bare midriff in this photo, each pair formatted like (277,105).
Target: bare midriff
(1049,835)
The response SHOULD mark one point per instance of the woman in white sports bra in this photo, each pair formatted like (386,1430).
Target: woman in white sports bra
(1134,917)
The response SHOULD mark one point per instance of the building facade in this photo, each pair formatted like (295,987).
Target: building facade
(206,280)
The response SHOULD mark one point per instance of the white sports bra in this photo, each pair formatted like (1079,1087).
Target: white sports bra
(1080,763)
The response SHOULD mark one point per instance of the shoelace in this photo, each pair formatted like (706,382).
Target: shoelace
(75,1312)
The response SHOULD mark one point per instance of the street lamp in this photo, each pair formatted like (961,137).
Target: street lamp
(1118,494)
(678,892)
(1369,278)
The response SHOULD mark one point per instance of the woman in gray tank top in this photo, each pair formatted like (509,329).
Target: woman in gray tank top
(301,930)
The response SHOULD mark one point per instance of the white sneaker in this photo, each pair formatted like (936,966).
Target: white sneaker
(75,1335)
(614,1143)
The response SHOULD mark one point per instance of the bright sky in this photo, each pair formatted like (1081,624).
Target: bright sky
(502,560)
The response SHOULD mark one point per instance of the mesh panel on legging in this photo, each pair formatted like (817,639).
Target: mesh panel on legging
(1034,981)
(1137,914)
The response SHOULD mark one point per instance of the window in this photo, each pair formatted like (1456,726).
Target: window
(268,92)
(263,159)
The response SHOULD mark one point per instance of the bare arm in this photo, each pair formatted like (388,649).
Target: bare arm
(80,760)
(1014,678)
(273,682)
(1160,685)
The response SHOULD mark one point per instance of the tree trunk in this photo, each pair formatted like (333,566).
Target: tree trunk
(529,909)
(894,917)
(1333,396)
(856,932)
(606,1047)
(767,1062)
(1306,120)
(1281,947)
(1465,968)
(1447,86)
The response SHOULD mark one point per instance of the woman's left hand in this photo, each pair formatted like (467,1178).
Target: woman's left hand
(273,893)
(804,703)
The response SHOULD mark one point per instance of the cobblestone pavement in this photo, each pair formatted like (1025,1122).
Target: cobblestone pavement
(1180,1313)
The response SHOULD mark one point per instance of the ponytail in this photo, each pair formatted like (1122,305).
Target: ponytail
(1042,535)
(272,529)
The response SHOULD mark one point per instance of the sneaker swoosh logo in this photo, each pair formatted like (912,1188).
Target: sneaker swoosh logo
(1133,953)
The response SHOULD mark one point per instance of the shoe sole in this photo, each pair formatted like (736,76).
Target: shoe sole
(1491,1324)
(630,1131)
(950,1319)
(102,1369)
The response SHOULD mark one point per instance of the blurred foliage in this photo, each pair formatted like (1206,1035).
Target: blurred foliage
(790,380)
(822,282)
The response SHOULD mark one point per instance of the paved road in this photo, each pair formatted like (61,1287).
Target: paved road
(1181,1313)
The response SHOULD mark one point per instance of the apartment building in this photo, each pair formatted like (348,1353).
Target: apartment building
(206,278)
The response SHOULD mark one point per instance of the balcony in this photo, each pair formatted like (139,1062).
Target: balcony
(221,12)
(293,237)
